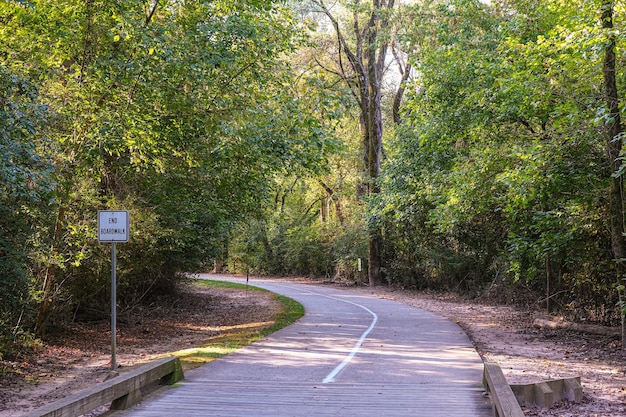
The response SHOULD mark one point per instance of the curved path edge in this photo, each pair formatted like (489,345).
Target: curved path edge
(349,355)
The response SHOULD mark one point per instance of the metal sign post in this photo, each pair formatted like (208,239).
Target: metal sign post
(113,305)
(113,227)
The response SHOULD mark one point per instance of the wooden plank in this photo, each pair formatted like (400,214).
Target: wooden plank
(126,387)
(305,399)
(502,396)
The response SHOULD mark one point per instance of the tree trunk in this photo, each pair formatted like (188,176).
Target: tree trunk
(614,130)
(330,194)
(554,324)
(548,283)
(374,258)
(375,145)
(367,58)
(397,99)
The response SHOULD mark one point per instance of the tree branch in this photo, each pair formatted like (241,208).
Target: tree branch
(357,67)
(150,14)
(331,196)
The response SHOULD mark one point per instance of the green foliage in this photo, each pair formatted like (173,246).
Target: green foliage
(219,127)
(285,247)
(181,114)
(498,168)
(301,234)
(25,185)
(289,240)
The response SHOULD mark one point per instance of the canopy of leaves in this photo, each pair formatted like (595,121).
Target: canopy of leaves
(500,169)
(181,112)
(228,135)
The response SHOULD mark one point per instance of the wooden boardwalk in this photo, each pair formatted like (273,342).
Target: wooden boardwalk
(350,355)
(260,399)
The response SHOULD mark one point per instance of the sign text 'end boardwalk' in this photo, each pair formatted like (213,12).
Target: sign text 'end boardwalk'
(113,226)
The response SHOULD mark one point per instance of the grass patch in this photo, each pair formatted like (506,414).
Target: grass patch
(206,283)
(238,336)
(292,311)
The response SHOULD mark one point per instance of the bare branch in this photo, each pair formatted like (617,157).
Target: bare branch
(150,14)
(355,63)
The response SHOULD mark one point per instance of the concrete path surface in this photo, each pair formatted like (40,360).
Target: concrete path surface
(350,355)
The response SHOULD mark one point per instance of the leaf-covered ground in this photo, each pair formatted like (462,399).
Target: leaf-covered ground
(80,356)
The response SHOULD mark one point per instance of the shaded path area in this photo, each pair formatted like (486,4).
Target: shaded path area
(350,355)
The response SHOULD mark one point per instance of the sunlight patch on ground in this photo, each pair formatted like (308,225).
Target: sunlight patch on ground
(254,325)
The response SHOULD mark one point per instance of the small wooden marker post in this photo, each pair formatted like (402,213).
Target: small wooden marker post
(113,227)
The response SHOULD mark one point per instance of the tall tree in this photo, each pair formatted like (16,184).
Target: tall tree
(364,40)
(614,146)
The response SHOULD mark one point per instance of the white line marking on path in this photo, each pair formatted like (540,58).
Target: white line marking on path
(331,376)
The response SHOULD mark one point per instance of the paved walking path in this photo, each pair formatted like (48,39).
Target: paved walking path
(350,355)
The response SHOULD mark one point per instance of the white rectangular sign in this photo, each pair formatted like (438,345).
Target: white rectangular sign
(113,225)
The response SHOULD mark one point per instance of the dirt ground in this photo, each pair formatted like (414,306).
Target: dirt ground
(80,356)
